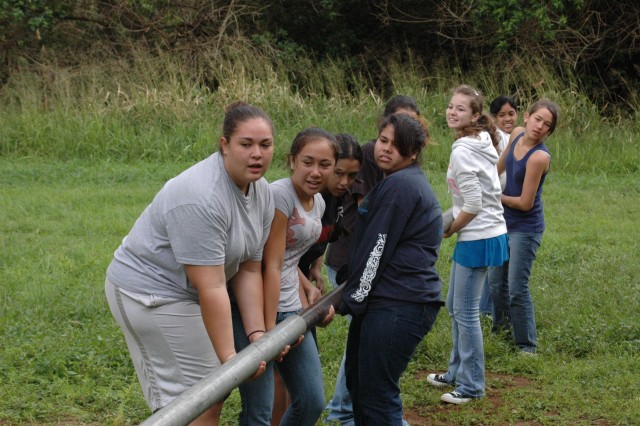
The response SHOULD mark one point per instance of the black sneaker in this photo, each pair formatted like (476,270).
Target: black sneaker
(455,397)
(438,380)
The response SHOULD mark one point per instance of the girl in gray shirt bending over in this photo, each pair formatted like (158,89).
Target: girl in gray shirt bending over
(204,231)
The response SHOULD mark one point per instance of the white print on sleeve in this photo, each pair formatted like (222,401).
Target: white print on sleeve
(370,270)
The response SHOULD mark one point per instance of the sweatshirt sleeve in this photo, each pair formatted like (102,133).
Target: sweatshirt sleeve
(465,171)
(383,227)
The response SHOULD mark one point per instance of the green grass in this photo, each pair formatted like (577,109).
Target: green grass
(83,151)
(63,359)
(157,109)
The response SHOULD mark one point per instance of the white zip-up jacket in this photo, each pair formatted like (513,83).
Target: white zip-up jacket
(474,185)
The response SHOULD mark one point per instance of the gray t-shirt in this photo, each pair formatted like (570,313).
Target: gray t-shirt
(200,217)
(303,229)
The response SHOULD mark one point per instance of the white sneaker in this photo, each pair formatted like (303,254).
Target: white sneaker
(455,397)
(438,380)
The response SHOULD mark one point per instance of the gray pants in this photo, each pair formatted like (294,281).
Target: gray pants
(168,343)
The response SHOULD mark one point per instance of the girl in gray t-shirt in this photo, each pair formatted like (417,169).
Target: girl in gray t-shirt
(296,226)
(204,230)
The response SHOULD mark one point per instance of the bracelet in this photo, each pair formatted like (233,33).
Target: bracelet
(254,332)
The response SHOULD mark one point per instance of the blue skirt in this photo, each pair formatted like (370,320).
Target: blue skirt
(479,253)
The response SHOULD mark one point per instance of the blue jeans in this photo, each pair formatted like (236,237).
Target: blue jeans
(466,364)
(256,395)
(331,274)
(340,408)
(486,305)
(301,373)
(510,292)
(379,347)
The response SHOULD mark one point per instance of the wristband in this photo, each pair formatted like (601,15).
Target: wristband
(254,332)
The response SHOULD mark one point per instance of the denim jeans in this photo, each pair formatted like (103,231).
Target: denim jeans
(339,408)
(301,373)
(466,364)
(486,305)
(510,292)
(331,274)
(379,347)
(256,395)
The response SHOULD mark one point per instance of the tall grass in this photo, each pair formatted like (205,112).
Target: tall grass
(166,108)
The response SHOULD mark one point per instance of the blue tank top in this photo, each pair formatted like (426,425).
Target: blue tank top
(518,220)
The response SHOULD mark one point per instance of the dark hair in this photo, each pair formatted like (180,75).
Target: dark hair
(485,121)
(394,104)
(349,147)
(553,108)
(499,102)
(306,136)
(239,112)
(409,134)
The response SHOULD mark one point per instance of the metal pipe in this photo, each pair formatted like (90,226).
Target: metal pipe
(216,386)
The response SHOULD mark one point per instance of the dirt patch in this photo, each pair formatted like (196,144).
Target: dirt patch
(498,385)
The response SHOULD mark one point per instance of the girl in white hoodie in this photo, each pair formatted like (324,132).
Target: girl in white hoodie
(482,239)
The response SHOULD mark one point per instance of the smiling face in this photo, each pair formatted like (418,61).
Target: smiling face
(312,167)
(506,118)
(538,124)
(386,153)
(248,153)
(343,177)
(459,113)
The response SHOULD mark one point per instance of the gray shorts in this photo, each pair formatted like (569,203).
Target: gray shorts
(169,345)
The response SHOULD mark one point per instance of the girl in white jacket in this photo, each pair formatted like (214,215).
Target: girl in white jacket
(482,239)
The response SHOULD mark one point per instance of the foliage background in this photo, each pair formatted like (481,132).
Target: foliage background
(594,42)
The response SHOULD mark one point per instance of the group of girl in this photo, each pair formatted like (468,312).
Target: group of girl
(211,265)
(499,228)
(215,260)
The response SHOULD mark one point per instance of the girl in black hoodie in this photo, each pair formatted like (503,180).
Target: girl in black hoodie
(394,290)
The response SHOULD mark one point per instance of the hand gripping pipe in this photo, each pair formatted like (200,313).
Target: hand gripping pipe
(216,386)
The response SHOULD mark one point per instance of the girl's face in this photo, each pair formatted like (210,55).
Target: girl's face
(386,153)
(506,118)
(312,166)
(343,176)
(459,114)
(248,154)
(538,123)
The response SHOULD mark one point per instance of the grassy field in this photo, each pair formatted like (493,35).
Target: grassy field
(63,359)
(77,170)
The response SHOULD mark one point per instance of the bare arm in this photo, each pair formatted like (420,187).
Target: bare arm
(248,289)
(309,294)
(215,306)
(272,262)
(315,273)
(460,222)
(537,165)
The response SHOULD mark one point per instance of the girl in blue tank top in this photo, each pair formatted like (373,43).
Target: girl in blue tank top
(526,161)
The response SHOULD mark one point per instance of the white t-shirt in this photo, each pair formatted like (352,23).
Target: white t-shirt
(303,230)
(200,217)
